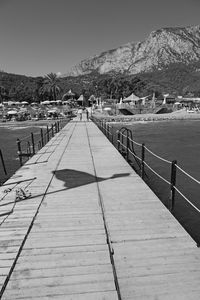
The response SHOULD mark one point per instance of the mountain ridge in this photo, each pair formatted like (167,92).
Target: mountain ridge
(161,48)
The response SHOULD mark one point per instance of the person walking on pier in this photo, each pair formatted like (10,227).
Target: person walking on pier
(80,113)
(87,114)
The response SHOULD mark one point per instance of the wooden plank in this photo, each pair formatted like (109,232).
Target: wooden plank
(106,295)
(60,280)
(61,271)
(53,250)
(59,290)
(66,253)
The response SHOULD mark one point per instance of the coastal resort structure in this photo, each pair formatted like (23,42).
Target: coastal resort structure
(68,96)
(80,100)
(132,99)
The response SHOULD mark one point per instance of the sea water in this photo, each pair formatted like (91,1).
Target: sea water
(172,140)
(9,133)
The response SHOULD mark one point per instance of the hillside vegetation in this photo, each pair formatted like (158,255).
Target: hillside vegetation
(177,79)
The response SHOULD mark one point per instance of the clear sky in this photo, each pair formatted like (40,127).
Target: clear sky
(42,36)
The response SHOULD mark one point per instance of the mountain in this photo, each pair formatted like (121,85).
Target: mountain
(162,48)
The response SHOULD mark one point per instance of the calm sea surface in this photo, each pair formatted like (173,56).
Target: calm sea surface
(173,140)
(9,132)
(178,140)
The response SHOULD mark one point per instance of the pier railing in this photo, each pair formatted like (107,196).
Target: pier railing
(3,166)
(32,143)
(123,140)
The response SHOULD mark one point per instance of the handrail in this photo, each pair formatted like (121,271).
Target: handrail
(159,157)
(125,146)
(33,144)
(197,181)
(2,162)
(173,169)
(196,208)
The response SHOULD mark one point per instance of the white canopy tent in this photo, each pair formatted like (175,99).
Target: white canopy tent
(131,98)
(80,99)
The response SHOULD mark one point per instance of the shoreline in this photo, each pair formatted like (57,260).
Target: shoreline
(149,117)
(29,123)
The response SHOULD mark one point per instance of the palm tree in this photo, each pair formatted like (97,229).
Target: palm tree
(2,93)
(38,91)
(51,84)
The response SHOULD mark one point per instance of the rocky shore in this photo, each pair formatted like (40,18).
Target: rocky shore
(178,115)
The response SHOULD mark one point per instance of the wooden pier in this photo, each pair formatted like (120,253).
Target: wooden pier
(90,228)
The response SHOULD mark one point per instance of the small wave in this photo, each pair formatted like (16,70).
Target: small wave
(18,128)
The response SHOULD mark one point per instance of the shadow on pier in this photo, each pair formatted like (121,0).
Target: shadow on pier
(73,178)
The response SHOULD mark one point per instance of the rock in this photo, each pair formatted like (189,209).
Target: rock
(161,48)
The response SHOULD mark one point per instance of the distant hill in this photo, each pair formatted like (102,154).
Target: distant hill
(161,48)
(176,78)
(168,61)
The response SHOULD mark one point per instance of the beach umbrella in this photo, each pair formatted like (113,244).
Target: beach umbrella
(70,93)
(45,102)
(23,109)
(12,112)
(10,103)
(52,111)
(165,98)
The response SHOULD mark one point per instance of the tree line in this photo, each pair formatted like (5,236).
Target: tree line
(177,79)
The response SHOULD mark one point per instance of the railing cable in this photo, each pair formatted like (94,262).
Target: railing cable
(196,208)
(159,157)
(190,176)
(161,177)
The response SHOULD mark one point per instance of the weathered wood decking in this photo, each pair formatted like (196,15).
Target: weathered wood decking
(55,245)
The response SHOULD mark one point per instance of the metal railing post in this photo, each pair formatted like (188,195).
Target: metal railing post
(106,129)
(33,143)
(42,137)
(127,146)
(47,133)
(28,149)
(39,145)
(19,151)
(118,140)
(3,163)
(112,137)
(143,158)
(173,183)
(52,130)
